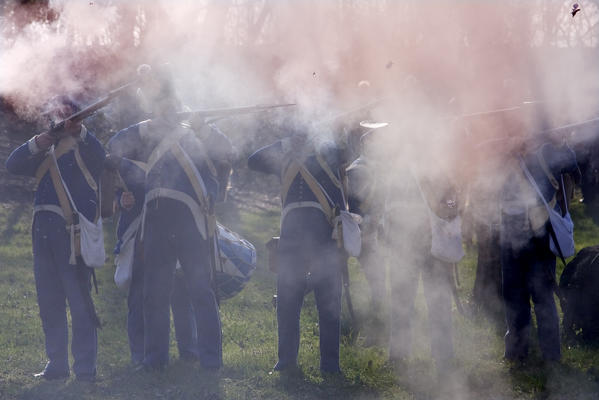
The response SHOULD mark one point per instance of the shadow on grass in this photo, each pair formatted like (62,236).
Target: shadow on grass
(181,380)
(552,380)
(416,377)
(324,386)
(184,380)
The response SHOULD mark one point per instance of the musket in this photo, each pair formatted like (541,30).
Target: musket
(367,107)
(490,112)
(218,113)
(519,107)
(89,110)
(570,127)
(377,102)
(563,129)
(335,119)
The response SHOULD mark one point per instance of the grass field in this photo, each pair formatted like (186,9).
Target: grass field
(249,331)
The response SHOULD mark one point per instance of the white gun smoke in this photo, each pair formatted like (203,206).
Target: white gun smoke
(430,61)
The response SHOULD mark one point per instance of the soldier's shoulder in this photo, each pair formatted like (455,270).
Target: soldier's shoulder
(217,140)
(357,164)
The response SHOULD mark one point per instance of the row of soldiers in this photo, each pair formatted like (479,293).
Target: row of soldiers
(507,197)
(170,182)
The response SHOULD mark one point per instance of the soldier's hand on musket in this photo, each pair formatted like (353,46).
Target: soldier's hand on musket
(44,140)
(70,129)
(127,200)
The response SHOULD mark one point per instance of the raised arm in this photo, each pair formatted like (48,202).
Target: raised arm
(126,144)
(268,159)
(26,158)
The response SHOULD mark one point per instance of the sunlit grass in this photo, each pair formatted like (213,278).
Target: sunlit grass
(249,338)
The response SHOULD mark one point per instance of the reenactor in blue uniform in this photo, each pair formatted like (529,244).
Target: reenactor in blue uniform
(416,196)
(408,227)
(308,258)
(367,199)
(180,189)
(130,200)
(528,265)
(80,159)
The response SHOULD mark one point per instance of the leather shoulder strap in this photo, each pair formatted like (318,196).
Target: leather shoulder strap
(193,176)
(64,202)
(121,182)
(318,192)
(289,175)
(86,174)
(341,183)
(208,160)
(64,146)
(546,170)
(159,151)
(293,168)
(549,205)
(327,169)
(166,144)
(140,164)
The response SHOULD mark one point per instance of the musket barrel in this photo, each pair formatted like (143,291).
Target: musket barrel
(92,108)
(226,112)
(535,136)
(583,124)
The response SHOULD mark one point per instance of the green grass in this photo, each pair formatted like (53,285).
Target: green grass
(249,337)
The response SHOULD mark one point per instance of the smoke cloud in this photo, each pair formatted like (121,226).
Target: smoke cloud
(429,61)
(482,55)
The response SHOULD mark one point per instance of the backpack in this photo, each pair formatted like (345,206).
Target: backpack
(579,286)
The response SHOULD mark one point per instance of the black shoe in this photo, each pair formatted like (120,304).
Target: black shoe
(189,357)
(516,357)
(331,372)
(285,367)
(552,366)
(211,368)
(137,367)
(153,367)
(289,370)
(91,378)
(51,375)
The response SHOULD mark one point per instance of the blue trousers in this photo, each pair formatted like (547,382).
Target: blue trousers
(527,272)
(170,234)
(57,282)
(308,260)
(375,271)
(409,255)
(183,315)
(436,279)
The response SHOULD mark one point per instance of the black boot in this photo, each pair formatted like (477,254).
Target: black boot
(51,374)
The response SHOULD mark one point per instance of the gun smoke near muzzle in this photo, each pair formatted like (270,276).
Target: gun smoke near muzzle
(448,82)
(484,55)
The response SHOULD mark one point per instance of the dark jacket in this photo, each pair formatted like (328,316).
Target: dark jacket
(134,177)
(274,159)
(26,159)
(139,141)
